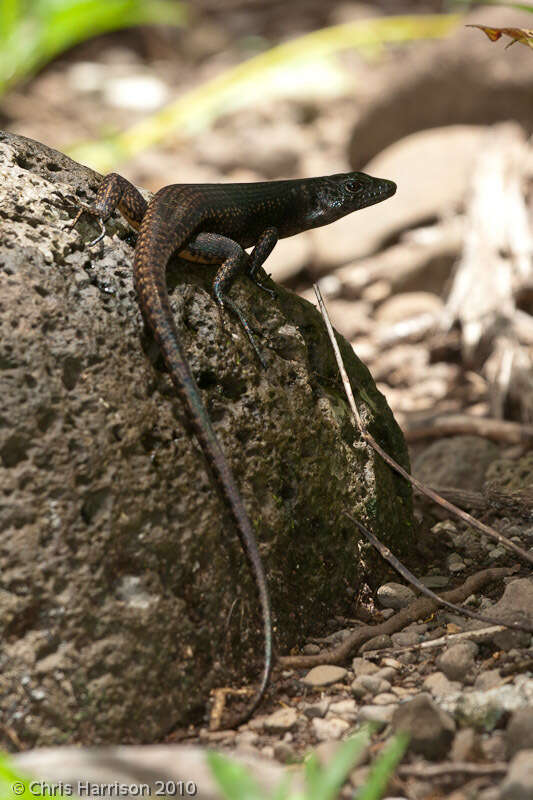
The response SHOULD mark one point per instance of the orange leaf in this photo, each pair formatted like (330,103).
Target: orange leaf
(521,35)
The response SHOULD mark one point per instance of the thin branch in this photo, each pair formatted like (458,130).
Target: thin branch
(410,578)
(452,768)
(463,515)
(421,608)
(498,430)
(442,641)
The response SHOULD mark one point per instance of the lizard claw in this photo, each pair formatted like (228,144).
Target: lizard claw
(84,208)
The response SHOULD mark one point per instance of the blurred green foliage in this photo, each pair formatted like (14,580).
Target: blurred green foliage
(33,32)
(320,782)
(299,65)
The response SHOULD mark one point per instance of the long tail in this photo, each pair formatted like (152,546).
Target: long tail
(154,247)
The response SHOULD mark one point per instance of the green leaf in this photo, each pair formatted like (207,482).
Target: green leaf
(383,768)
(33,33)
(233,779)
(324,783)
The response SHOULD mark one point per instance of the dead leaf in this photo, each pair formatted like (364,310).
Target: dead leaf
(521,35)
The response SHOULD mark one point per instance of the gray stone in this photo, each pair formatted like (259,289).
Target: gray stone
(384,699)
(280,721)
(376,643)
(455,461)
(518,785)
(395,595)
(318,709)
(515,604)
(284,753)
(374,684)
(458,660)
(346,709)
(381,715)
(430,729)
(465,746)
(324,675)
(362,666)
(358,689)
(439,685)
(405,639)
(484,710)
(488,680)
(100,477)
(333,728)
(519,733)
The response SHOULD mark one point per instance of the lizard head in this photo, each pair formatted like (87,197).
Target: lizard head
(334,196)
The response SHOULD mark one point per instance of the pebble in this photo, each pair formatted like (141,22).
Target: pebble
(455,563)
(358,689)
(439,685)
(517,601)
(376,643)
(361,666)
(381,715)
(518,785)
(465,746)
(284,753)
(333,728)
(405,639)
(281,721)
(395,595)
(458,660)
(386,673)
(311,649)
(391,663)
(246,738)
(373,684)
(316,709)
(384,699)
(324,675)
(431,730)
(344,708)
(488,680)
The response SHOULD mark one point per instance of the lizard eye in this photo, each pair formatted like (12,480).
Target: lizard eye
(353,186)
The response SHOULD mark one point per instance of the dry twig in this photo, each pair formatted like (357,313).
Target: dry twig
(421,608)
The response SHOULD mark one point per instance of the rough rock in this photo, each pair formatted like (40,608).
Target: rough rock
(119,565)
(519,733)
(460,461)
(430,729)
(516,603)
(518,785)
(510,482)
(479,88)
(458,660)
(485,710)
